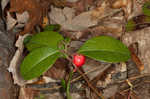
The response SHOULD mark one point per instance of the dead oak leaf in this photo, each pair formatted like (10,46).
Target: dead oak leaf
(33,7)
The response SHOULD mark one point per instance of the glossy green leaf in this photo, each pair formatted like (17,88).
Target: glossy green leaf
(27,39)
(38,61)
(105,48)
(47,38)
(146,8)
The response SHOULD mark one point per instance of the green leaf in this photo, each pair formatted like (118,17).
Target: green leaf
(47,38)
(38,61)
(52,27)
(146,8)
(130,26)
(105,48)
(27,39)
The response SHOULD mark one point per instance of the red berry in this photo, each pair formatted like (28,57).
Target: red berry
(79,60)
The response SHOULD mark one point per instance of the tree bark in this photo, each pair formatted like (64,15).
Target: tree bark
(7,50)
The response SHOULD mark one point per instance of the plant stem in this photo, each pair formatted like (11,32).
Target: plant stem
(85,78)
(68,85)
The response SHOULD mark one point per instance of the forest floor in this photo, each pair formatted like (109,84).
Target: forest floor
(80,20)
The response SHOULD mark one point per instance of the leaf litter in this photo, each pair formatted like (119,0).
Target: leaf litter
(84,17)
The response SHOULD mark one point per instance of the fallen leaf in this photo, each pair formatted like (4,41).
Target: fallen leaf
(141,37)
(10,22)
(58,70)
(77,23)
(35,10)
(4,3)
(27,93)
(136,59)
(16,61)
(22,18)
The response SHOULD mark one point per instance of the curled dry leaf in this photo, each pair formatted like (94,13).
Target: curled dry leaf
(136,59)
(22,18)
(4,3)
(36,9)
(131,8)
(10,22)
(120,3)
(99,11)
(15,63)
(142,38)
(127,6)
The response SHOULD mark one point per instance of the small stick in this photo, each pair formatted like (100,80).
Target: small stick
(88,82)
(75,79)
(135,77)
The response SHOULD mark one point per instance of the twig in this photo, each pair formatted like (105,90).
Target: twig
(147,81)
(110,14)
(121,92)
(102,75)
(135,77)
(96,68)
(88,82)
(74,80)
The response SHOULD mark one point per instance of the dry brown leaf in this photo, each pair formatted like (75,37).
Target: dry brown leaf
(10,21)
(119,3)
(35,8)
(4,3)
(16,61)
(22,18)
(111,27)
(58,70)
(141,37)
(126,5)
(27,93)
(99,11)
(136,59)
(77,23)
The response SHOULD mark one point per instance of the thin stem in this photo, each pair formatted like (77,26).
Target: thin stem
(85,78)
